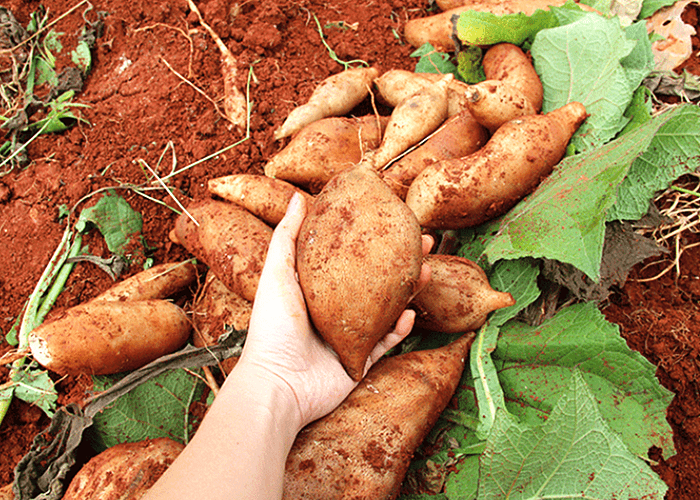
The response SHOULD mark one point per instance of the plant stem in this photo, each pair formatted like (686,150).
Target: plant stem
(686,191)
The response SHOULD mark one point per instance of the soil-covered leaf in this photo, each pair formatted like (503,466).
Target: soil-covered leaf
(535,364)
(574,454)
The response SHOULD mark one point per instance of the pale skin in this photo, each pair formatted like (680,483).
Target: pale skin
(286,378)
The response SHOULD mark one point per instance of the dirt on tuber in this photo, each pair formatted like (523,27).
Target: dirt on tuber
(359,255)
(363,448)
(326,148)
(229,239)
(458,297)
(466,192)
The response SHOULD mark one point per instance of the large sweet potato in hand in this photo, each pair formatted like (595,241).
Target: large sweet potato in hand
(363,448)
(229,239)
(100,338)
(359,259)
(465,192)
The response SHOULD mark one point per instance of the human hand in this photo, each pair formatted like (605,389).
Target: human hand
(282,346)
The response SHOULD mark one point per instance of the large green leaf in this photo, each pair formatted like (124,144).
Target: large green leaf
(574,454)
(597,63)
(564,219)
(535,364)
(674,151)
(157,408)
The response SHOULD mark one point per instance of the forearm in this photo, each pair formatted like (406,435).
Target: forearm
(241,447)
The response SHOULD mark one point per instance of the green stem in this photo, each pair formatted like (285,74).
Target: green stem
(35,310)
(686,191)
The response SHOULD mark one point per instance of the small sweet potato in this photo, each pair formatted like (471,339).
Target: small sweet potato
(334,96)
(363,448)
(263,196)
(229,239)
(326,148)
(508,63)
(123,472)
(105,337)
(459,136)
(458,297)
(412,120)
(397,85)
(493,103)
(359,256)
(158,282)
(468,191)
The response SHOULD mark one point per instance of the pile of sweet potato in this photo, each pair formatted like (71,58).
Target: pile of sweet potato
(449,156)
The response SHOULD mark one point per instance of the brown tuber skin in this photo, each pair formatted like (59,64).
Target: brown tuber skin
(326,148)
(458,297)
(157,282)
(363,448)
(512,88)
(465,192)
(215,308)
(359,255)
(412,121)
(397,85)
(106,337)
(459,136)
(264,197)
(123,472)
(229,239)
(334,96)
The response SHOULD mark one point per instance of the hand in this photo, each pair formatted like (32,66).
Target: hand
(282,346)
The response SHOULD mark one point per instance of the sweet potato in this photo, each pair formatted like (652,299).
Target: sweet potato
(467,191)
(264,197)
(363,448)
(230,240)
(493,103)
(334,96)
(397,85)
(411,121)
(512,88)
(359,254)
(459,136)
(437,29)
(105,337)
(458,297)
(508,63)
(6,492)
(216,309)
(158,282)
(324,149)
(123,472)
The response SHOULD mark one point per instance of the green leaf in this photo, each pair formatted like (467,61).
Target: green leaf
(463,483)
(639,111)
(483,28)
(35,387)
(82,57)
(45,72)
(564,219)
(674,151)
(595,62)
(535,364)
(116,220)
(574,454)
(649,7)
(469,64)
(157,408)
(432,61)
